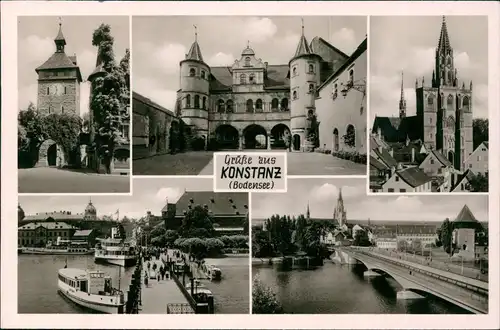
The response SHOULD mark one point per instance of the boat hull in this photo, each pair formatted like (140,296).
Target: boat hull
(123,262)
(54,252)
(95,306)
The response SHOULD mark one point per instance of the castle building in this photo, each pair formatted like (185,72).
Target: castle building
(229,211)
(252,104)
(443,119)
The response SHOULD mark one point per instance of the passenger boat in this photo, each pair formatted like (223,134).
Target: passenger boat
(91,289)
(213,273)
(200,291)
(115,251)
(57,250)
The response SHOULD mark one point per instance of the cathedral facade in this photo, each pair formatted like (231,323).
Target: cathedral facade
(251,104)
(443,121)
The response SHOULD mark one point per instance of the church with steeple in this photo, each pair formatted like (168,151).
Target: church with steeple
(251,104)
(444,107)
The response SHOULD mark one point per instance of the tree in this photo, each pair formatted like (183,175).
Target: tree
(479,131)
(479,183)
(403,245)
(158,231)
(446,236)
(170,237)
(108,101)
(197,218)
(264,300)
(416,245)
(361,238)
(64,129)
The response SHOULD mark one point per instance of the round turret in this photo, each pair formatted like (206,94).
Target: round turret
(304,80)
(248,52)
(195,87)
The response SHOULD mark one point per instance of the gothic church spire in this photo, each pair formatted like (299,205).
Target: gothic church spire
(444,40)
(402,101)
(303,47)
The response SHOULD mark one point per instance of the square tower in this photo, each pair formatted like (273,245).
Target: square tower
(59,81)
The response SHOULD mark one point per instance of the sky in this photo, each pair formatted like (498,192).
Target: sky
(150,194)
(36,44)
(160,43)
(322,196)
(409,44)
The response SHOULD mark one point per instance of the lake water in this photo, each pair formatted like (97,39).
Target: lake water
(342,289)
(37,283)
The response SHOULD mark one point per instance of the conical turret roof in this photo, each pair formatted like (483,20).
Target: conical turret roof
(465,215)
(60,36)
(303,47)
(194,52)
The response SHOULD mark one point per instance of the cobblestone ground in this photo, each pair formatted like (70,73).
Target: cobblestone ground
(187,163)
(53,180)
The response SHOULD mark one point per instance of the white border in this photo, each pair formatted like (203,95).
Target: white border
(9,316)
(253,153)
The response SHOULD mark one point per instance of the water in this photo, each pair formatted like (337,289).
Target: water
(37,282)
(342,289)
(232,293)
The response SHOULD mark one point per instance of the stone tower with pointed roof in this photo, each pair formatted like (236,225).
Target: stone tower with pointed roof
(465,227)
(195,91)
(340,214)
(444,107)
(304,80)
(59,81)
(402,101)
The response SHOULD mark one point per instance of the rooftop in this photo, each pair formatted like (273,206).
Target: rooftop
(219,204)
(413,176)
(46,225)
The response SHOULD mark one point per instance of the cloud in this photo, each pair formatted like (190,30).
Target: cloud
(325,192)
(27,94)
(165,58)
(170,193)
(39,49)
(150,89)
(84,98)
(221,59)
(258,30)
(345,40)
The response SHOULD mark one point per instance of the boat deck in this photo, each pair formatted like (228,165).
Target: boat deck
(158,294)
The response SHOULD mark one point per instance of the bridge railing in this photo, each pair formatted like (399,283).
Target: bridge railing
(456,268)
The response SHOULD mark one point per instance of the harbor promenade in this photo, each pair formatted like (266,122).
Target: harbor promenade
(157,295)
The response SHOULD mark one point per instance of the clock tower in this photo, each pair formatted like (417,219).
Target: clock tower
(59,81)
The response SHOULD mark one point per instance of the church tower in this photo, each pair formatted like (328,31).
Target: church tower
(340,213)
(195,94)
(402,101)
(304,80)
(59,81)
(308,213)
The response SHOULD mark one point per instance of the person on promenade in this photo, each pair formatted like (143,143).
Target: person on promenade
(146,279)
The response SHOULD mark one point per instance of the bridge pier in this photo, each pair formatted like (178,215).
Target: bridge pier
(408,295)
(370,273)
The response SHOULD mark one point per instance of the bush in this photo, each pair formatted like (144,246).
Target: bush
(264,300)
(198,144)
(352,156)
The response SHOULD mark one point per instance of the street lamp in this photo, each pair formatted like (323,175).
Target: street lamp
(359,85)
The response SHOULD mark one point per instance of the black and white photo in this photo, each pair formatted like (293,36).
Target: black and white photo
(173,247)
(267,83)
(325,247)
(74,101)
(429,104)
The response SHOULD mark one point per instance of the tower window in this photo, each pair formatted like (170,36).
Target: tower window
(220,106)
(229,106)
(294,70)
(247,61)
(192,72)
(202,75)
(204,103)
(465,102)
(188,101)
(311,68)
(294,95)
(252,78)
(197,101)
(274,104)
(258,105)
(250,105)
(284,104)
(311,88)
(449,101)
(243,79)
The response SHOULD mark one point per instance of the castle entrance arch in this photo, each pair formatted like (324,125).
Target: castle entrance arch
(255,137)
(227,137)
(52,155)
(47,154)
(335,140)
(280,134)
(296,142)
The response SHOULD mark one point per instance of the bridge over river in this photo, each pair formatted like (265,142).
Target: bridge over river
(417,279)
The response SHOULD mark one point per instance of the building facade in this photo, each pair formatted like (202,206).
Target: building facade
(477,162)
(228,210)
(443,120)
(40,234)
(250,104)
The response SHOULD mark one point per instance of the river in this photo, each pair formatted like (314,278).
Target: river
(37,283)
(342,289)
